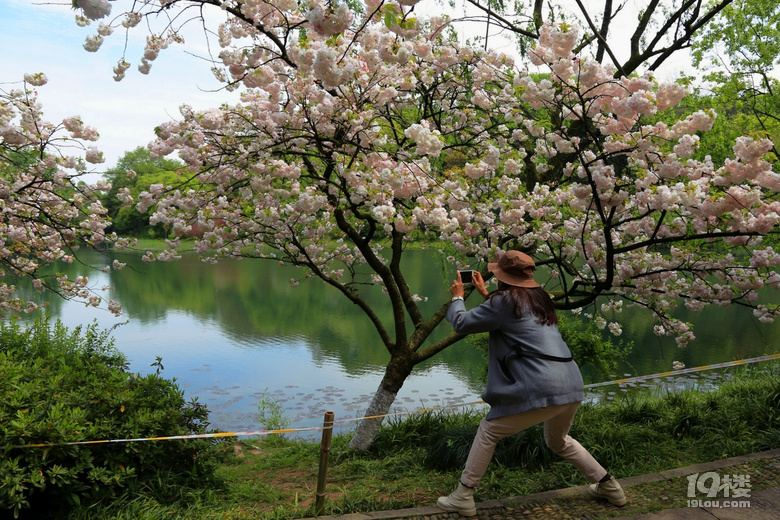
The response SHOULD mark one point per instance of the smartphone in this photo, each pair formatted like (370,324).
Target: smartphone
(466,276)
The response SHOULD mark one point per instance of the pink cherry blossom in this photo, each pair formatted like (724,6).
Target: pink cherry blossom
(94,9)
(47,211)
(329,21)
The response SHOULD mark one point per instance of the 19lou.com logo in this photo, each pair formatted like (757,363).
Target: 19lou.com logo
(711,489)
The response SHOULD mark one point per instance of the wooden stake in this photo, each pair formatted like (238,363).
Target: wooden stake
(327,434)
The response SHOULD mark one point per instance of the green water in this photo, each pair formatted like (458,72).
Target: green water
(232,331)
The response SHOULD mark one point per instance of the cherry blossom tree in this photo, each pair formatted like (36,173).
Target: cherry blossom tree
(360,132)
(47,213)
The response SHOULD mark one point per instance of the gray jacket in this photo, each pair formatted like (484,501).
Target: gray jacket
(516,383)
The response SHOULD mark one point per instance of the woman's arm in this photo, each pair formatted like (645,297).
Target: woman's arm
(487,317)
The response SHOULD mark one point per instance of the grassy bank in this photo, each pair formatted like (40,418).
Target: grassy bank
(417,459)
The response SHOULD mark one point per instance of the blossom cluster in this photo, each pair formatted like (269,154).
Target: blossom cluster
(329,21)
(47,212)
(93,9)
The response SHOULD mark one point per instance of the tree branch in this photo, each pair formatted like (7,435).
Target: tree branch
(506,24)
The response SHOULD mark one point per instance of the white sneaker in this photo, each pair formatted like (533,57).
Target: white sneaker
(610,490)
(459,501)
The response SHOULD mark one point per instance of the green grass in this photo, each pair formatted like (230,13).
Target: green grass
(415,460)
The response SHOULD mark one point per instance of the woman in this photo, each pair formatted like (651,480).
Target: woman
(532,377)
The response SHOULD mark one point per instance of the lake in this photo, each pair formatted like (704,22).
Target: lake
(236,332)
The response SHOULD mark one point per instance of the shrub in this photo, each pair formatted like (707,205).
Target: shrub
(417,430)
(61,386)
(449,449)
(591,348)
(595,352)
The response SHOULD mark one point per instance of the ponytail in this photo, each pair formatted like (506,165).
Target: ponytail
(534,299)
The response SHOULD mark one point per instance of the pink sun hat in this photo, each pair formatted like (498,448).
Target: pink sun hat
(515,268)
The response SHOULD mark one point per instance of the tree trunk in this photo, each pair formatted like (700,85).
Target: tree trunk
(398,369)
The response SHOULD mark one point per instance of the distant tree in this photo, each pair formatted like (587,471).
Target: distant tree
(135,172)
(739,114)
(740,54)
(47,212)
(744,39)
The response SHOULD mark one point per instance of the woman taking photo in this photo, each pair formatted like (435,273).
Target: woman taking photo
(532,377)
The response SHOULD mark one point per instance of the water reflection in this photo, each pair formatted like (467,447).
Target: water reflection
(232,331)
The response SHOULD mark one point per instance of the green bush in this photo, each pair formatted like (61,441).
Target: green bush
(595,352)
(60,386)
(449,449)
(592,349)
(417,430)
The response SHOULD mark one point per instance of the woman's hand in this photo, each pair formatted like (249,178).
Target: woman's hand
(457,287)
(476,280)
(479,284)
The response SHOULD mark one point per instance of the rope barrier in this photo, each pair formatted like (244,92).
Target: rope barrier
(686,371)
(173,437)
(407,412)
(702,368)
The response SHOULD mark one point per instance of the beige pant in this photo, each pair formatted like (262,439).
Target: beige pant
(557,422)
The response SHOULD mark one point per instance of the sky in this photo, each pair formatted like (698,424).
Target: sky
(41,36)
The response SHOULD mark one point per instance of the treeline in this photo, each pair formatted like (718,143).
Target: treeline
(136,171)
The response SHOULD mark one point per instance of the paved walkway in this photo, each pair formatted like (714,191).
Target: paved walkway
(656,496)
